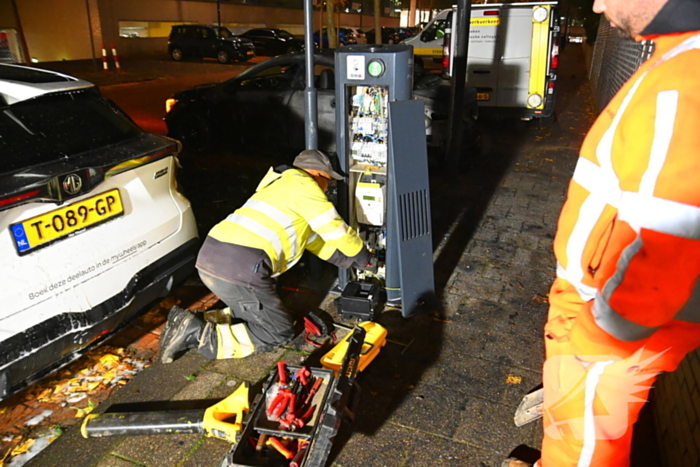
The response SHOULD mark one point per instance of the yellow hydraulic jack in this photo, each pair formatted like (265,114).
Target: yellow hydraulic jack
(223,420)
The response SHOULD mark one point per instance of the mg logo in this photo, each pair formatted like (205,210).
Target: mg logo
(72,184)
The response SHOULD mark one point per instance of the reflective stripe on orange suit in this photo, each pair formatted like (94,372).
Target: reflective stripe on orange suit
(626,304)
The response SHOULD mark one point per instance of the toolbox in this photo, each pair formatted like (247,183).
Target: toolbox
(309,445)
(359,300)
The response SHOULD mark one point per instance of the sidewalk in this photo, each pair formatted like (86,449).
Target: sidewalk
(444,390)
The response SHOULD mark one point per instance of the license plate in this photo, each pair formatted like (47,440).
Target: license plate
(483,96)
(61,223)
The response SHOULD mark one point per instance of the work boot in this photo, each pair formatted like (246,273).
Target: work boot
(181,332)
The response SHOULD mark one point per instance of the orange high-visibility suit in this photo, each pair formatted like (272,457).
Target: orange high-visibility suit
(626,302)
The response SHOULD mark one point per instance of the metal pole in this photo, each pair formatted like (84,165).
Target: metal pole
(218,12)
(460,27)
(20,32)
(310,104)
(92,39)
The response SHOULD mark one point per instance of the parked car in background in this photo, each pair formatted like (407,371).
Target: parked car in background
(345,37)
(273,41)
(389,36)
(404,33)
(94,227)
(200,41)
(264,106)
(359,34)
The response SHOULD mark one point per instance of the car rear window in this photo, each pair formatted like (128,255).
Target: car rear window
(57,126)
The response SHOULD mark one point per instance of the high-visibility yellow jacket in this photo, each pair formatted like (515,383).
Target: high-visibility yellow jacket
(288,213)
(628,240)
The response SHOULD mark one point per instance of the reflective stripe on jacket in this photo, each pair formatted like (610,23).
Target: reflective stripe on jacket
(628,238)
(287,214)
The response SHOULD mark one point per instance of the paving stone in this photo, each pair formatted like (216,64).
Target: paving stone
(490,426)
(390,446)
(467,375)
(157,450)
(251,368)
(112,461)
(210,448)
(430,409)
(200,387)
(435,451)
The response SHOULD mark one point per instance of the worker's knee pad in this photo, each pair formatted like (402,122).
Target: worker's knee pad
(221,341)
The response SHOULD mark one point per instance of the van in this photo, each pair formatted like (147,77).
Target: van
(512,56)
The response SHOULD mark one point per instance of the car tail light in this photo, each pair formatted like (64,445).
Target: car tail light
(4,202)
(133,163)
(169,103)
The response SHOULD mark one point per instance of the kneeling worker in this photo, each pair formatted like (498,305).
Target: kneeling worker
(244,253)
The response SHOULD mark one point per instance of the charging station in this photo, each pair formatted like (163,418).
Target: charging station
(382,150)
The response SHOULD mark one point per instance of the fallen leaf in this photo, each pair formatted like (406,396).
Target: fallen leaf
(512,379)
(23,447)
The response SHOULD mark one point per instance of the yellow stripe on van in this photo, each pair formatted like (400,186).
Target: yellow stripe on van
(427,51)
(538,56)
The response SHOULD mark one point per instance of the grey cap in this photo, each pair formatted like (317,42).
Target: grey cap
(313,159)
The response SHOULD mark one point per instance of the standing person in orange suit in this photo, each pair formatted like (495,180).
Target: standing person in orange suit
(626,302)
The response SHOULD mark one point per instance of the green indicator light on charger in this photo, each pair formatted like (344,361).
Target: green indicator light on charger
(375,68)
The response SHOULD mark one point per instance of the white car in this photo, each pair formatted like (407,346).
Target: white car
(93,225)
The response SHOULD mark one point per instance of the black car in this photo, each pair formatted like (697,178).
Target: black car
(208,42)
(273,41)
(389,36)
(264,106)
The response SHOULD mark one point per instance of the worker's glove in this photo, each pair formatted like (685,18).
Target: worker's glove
(370,265)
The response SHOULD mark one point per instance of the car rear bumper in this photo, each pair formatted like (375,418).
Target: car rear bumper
(32,354)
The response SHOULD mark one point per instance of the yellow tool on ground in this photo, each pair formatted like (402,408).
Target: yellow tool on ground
(375,339)
(223,420)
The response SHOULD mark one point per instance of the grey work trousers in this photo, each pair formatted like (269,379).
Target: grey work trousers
(268,321)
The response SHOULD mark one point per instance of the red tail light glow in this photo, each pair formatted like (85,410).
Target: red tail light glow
(491,13)
(23,196)
(555,62)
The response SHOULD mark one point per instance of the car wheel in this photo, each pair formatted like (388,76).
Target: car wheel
(195,133)
(223,57)
(176,54)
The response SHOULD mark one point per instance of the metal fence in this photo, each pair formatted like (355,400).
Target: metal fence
(615,59)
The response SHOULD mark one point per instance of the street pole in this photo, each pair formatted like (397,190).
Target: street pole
(460,29)
(218,12)
(310,104)
(92,39)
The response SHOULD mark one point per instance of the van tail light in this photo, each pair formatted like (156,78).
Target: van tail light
(554,62)
(491,13)
(169,103)
(446,61)
(550,87)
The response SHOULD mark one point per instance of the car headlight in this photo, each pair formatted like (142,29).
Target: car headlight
(169,103)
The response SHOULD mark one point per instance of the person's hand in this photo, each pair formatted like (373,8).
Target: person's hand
(370,265)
